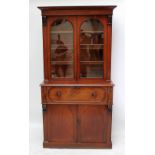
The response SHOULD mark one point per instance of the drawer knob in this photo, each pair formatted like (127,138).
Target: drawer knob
(58,93)
(93,94)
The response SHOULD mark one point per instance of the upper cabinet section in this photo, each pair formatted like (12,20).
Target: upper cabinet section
(77,44)
(62,50)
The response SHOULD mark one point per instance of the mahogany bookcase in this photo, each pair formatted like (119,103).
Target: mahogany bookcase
(77,91)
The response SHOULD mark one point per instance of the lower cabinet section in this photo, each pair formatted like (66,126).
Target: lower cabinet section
(68,125)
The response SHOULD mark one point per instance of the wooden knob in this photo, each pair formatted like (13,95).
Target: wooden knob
(94,94)
(58,93)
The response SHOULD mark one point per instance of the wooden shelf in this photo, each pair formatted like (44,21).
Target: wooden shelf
(91,44)
(99,77)
(92,32)
(61,62)
(92,62)
(62,32)
(92,48)
(64,44)
(66,77)
(62,48)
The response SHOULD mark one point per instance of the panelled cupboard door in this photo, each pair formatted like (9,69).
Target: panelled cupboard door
(76,123)
(61,120)
(92,123)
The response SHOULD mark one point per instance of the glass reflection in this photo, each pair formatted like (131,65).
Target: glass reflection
(91,49)
(62,49)
(91,71)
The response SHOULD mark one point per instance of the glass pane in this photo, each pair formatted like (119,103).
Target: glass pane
(62,49)
(62,70)
(91,49)
(91,70)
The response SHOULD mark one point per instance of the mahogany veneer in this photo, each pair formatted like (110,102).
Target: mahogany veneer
(77,92)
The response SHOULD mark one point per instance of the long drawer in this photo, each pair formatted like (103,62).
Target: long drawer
(76,94)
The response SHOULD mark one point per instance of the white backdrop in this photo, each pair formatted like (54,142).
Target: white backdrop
(36,77)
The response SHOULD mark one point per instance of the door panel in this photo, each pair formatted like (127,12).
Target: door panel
(61,47)
(92,123)
(92,47)
(61,123)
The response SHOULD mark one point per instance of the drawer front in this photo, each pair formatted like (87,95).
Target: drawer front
(75,94)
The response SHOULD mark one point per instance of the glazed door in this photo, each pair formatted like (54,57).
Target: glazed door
(77,48)
(61,48)
(92,47)
(92,123)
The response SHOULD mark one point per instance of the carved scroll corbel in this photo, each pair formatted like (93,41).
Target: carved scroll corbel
(109,19)
(44,107)
(44,20)
(109,108)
